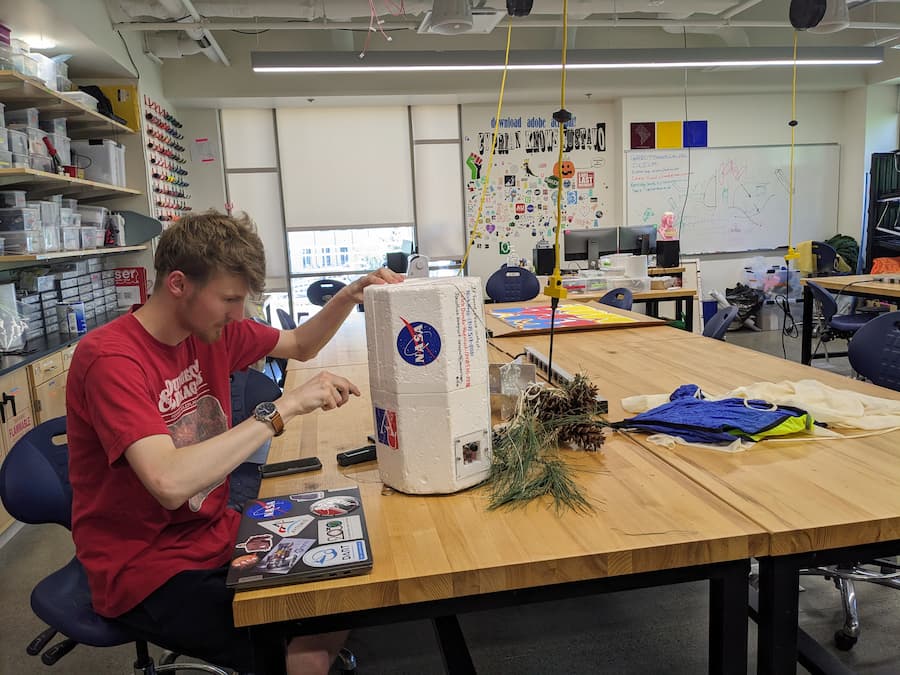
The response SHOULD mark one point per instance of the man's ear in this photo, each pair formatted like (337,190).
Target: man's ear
(177,283)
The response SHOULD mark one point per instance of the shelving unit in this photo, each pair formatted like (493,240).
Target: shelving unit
(19,91)
(883,215)
(61,255)
(41,183)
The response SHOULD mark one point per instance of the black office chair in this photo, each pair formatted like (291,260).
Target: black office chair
(717,326)
(323,290)
(512,284)
(34,488)
(826,259)
(248,389)
(618,297)
(278,367)
(833,325)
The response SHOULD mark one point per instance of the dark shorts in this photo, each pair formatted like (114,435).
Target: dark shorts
(191,614)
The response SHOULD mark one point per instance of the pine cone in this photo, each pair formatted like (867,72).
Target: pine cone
(587,436)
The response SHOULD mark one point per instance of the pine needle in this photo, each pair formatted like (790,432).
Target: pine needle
(526,463)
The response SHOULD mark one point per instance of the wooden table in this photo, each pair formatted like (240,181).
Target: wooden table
(437,556)
(860,285)
(821,502)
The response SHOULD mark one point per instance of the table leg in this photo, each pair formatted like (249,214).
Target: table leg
(452,642)
(728,619)
(689,315)
(806,329)
(778,615)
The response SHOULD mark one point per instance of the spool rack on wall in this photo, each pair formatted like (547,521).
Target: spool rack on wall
(168,164)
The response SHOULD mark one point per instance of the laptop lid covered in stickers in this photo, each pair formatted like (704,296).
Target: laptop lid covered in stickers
(306,536)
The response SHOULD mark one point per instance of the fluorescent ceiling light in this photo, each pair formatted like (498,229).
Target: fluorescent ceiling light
(577,59)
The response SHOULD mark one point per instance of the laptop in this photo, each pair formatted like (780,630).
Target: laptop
(306,536)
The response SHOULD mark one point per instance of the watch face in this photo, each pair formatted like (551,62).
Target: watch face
(264,409)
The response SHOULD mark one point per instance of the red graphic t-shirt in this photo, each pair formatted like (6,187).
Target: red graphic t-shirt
(123,386)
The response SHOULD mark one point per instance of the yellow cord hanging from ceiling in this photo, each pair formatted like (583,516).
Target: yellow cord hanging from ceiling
(554,288)
(487,176)
(792,252)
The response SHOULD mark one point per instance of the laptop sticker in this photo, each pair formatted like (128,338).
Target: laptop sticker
(268,509)
(307,496)
(257,542)
(285,555)
(335,506)
(288,527)
(243,562)
(332,530)
(336,554)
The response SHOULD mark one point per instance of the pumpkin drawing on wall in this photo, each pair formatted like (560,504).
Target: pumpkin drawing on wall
(564,169)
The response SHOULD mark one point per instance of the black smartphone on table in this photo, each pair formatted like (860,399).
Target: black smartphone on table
(289,467)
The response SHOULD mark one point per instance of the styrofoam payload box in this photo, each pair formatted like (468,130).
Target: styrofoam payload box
(428,374)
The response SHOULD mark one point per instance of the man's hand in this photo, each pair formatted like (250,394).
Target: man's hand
(380,276)
(326,391)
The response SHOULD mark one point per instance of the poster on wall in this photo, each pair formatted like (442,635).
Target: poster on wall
(519,208)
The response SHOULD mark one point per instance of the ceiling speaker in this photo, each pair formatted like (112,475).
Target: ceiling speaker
(451,17)
(837,17)
(806,14)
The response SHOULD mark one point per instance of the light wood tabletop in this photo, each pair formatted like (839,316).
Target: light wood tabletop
(500,328)
(821,502)
(857,284)
(648,517)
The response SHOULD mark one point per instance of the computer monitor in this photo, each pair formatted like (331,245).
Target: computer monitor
(589,244)
(638,240)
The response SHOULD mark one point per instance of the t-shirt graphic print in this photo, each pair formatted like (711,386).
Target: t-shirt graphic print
(192,414)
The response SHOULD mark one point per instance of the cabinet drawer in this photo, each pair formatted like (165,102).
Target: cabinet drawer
(46,368)
(50,399)
(67,354)
(16,418)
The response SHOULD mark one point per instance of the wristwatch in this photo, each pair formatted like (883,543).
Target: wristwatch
(268,413)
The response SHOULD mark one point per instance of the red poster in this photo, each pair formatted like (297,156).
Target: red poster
(643,135)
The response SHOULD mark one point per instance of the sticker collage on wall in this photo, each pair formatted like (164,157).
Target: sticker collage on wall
(519,208)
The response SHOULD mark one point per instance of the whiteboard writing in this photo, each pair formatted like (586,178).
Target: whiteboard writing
(735,199)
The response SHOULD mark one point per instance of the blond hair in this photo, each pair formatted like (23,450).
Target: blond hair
(204,244)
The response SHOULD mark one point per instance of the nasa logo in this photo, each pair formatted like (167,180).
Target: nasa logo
(269,508)
(418,343)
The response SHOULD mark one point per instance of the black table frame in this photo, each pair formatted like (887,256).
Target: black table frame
(728,601)
(779,632)
(684,309)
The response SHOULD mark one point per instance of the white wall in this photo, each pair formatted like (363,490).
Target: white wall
(753,119)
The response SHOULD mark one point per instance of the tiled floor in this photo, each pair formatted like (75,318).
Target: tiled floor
(639,632)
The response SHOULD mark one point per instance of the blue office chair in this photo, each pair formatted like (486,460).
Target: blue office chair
(34,488)
(323,290)
(512,284)
(834,325)
(248,389)
(717,326)
(874,351)
(617,297)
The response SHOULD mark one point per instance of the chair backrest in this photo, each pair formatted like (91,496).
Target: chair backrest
(826,300)
(617,297)
(874,351)
(323,290)
(826,257)
(512,284)
(34,477)
(249,388)
(717,326)
(287,323)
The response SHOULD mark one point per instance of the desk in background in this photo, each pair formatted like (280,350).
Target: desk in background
(822,502)
(437,556)
(860,285)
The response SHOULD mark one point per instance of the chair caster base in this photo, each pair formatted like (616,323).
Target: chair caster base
(346,662)
(843,641)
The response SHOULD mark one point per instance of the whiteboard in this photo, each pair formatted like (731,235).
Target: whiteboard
(737,197)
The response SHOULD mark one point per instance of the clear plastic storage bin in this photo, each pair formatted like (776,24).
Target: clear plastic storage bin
(19,219)
(12,198)
(26,116)
(93,216)
(91,237)
(5,159)
(71,238)
(18,141)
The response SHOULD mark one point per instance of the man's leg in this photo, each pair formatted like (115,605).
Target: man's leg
(314,654)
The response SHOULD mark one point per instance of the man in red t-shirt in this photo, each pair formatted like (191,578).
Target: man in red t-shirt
(151,445)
